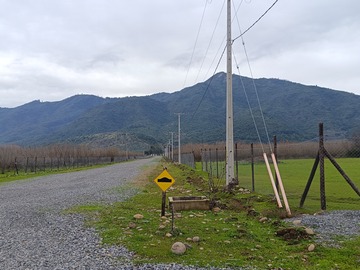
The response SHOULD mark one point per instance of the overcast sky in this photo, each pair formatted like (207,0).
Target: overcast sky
(53,49)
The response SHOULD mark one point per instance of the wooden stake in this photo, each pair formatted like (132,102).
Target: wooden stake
(283,194)
(272,181)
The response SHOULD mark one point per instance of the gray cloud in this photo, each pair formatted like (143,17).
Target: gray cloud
(54,49)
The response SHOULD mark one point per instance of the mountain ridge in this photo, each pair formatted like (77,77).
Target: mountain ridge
(291,110)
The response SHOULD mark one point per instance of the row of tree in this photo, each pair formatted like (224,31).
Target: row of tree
(17,158)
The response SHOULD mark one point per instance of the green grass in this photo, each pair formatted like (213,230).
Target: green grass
(231,237)
(295,174)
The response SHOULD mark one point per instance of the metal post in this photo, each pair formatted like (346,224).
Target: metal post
(236,162)
(322,167)
(206,161)
(229,104)
(179,138)
(211,171)
(172,218)
(275,153)
(163,203)
(217,164)
(16,167)
(168,153)
(252,168)
(27,164)
(202,159)
(167,150)
(172,146)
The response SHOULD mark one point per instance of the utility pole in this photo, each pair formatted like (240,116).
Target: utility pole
(168,155)
(166,150)
(179,143)
(229,105)
(126,146)
(172,146)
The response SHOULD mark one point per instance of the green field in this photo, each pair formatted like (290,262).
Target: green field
(295,174)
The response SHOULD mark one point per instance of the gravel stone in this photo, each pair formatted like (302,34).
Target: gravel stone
(327,225)
(35,233)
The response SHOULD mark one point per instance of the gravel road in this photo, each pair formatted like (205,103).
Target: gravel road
(35,234)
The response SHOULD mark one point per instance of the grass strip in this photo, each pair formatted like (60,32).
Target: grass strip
(242,234)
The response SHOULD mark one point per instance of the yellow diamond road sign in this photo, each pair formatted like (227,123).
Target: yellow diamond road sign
(164,180)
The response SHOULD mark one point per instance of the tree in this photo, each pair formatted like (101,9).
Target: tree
(155,150)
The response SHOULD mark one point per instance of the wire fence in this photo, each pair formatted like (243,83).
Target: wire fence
(37,164)
(212,158)
(188,159)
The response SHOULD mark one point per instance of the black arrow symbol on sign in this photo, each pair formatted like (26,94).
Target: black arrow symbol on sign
(164,180)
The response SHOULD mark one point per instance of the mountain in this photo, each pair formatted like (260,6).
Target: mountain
(291,111)
(32,122)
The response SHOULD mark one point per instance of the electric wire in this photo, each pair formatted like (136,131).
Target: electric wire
(254,85)
(221,45)
(211,39)
(223,52)
(208,85)
(217,66)
(215,57)
(241,33)
(248,102)
(196,40)
(257,96)
(237,9)
(251,26)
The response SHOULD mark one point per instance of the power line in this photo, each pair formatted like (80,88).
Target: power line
(212,36)
(221,45)
(255,89)
(251,26)
(208,85)
(223,52)
(248,102)
(196,40)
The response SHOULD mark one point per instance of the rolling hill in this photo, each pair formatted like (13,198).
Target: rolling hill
(291,111)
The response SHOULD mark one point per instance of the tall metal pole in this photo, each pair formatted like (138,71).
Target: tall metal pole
(179,144)
(172,146)
(169,150)
(229,104)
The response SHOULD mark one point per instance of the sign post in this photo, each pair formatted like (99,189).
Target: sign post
(163,203)
(164,181)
